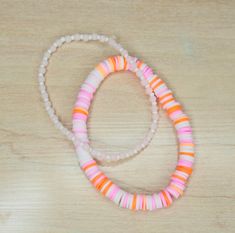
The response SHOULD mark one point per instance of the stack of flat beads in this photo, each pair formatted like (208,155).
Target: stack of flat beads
(180,121)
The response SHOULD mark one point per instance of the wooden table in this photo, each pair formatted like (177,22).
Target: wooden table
(191,45)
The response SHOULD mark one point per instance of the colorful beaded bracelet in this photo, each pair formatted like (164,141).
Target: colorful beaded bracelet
(180,121)
(86,89)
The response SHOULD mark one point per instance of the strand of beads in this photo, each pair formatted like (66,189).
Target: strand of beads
(183,169)
(88,88)
(86,94)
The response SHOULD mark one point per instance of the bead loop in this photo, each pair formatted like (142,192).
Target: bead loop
(183,170)
(99,73)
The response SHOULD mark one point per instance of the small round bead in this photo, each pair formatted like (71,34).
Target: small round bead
(77,37)
(72,37)
(94,36)
(68,39)
(86,37)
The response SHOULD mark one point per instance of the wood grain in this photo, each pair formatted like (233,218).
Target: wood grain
(190,43)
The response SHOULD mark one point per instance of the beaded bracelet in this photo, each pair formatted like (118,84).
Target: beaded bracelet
(87,88)
(180,121)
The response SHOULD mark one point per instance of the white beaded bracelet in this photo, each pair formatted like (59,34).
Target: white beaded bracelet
(51,111)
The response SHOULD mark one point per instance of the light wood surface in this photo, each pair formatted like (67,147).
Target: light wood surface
(190,43)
